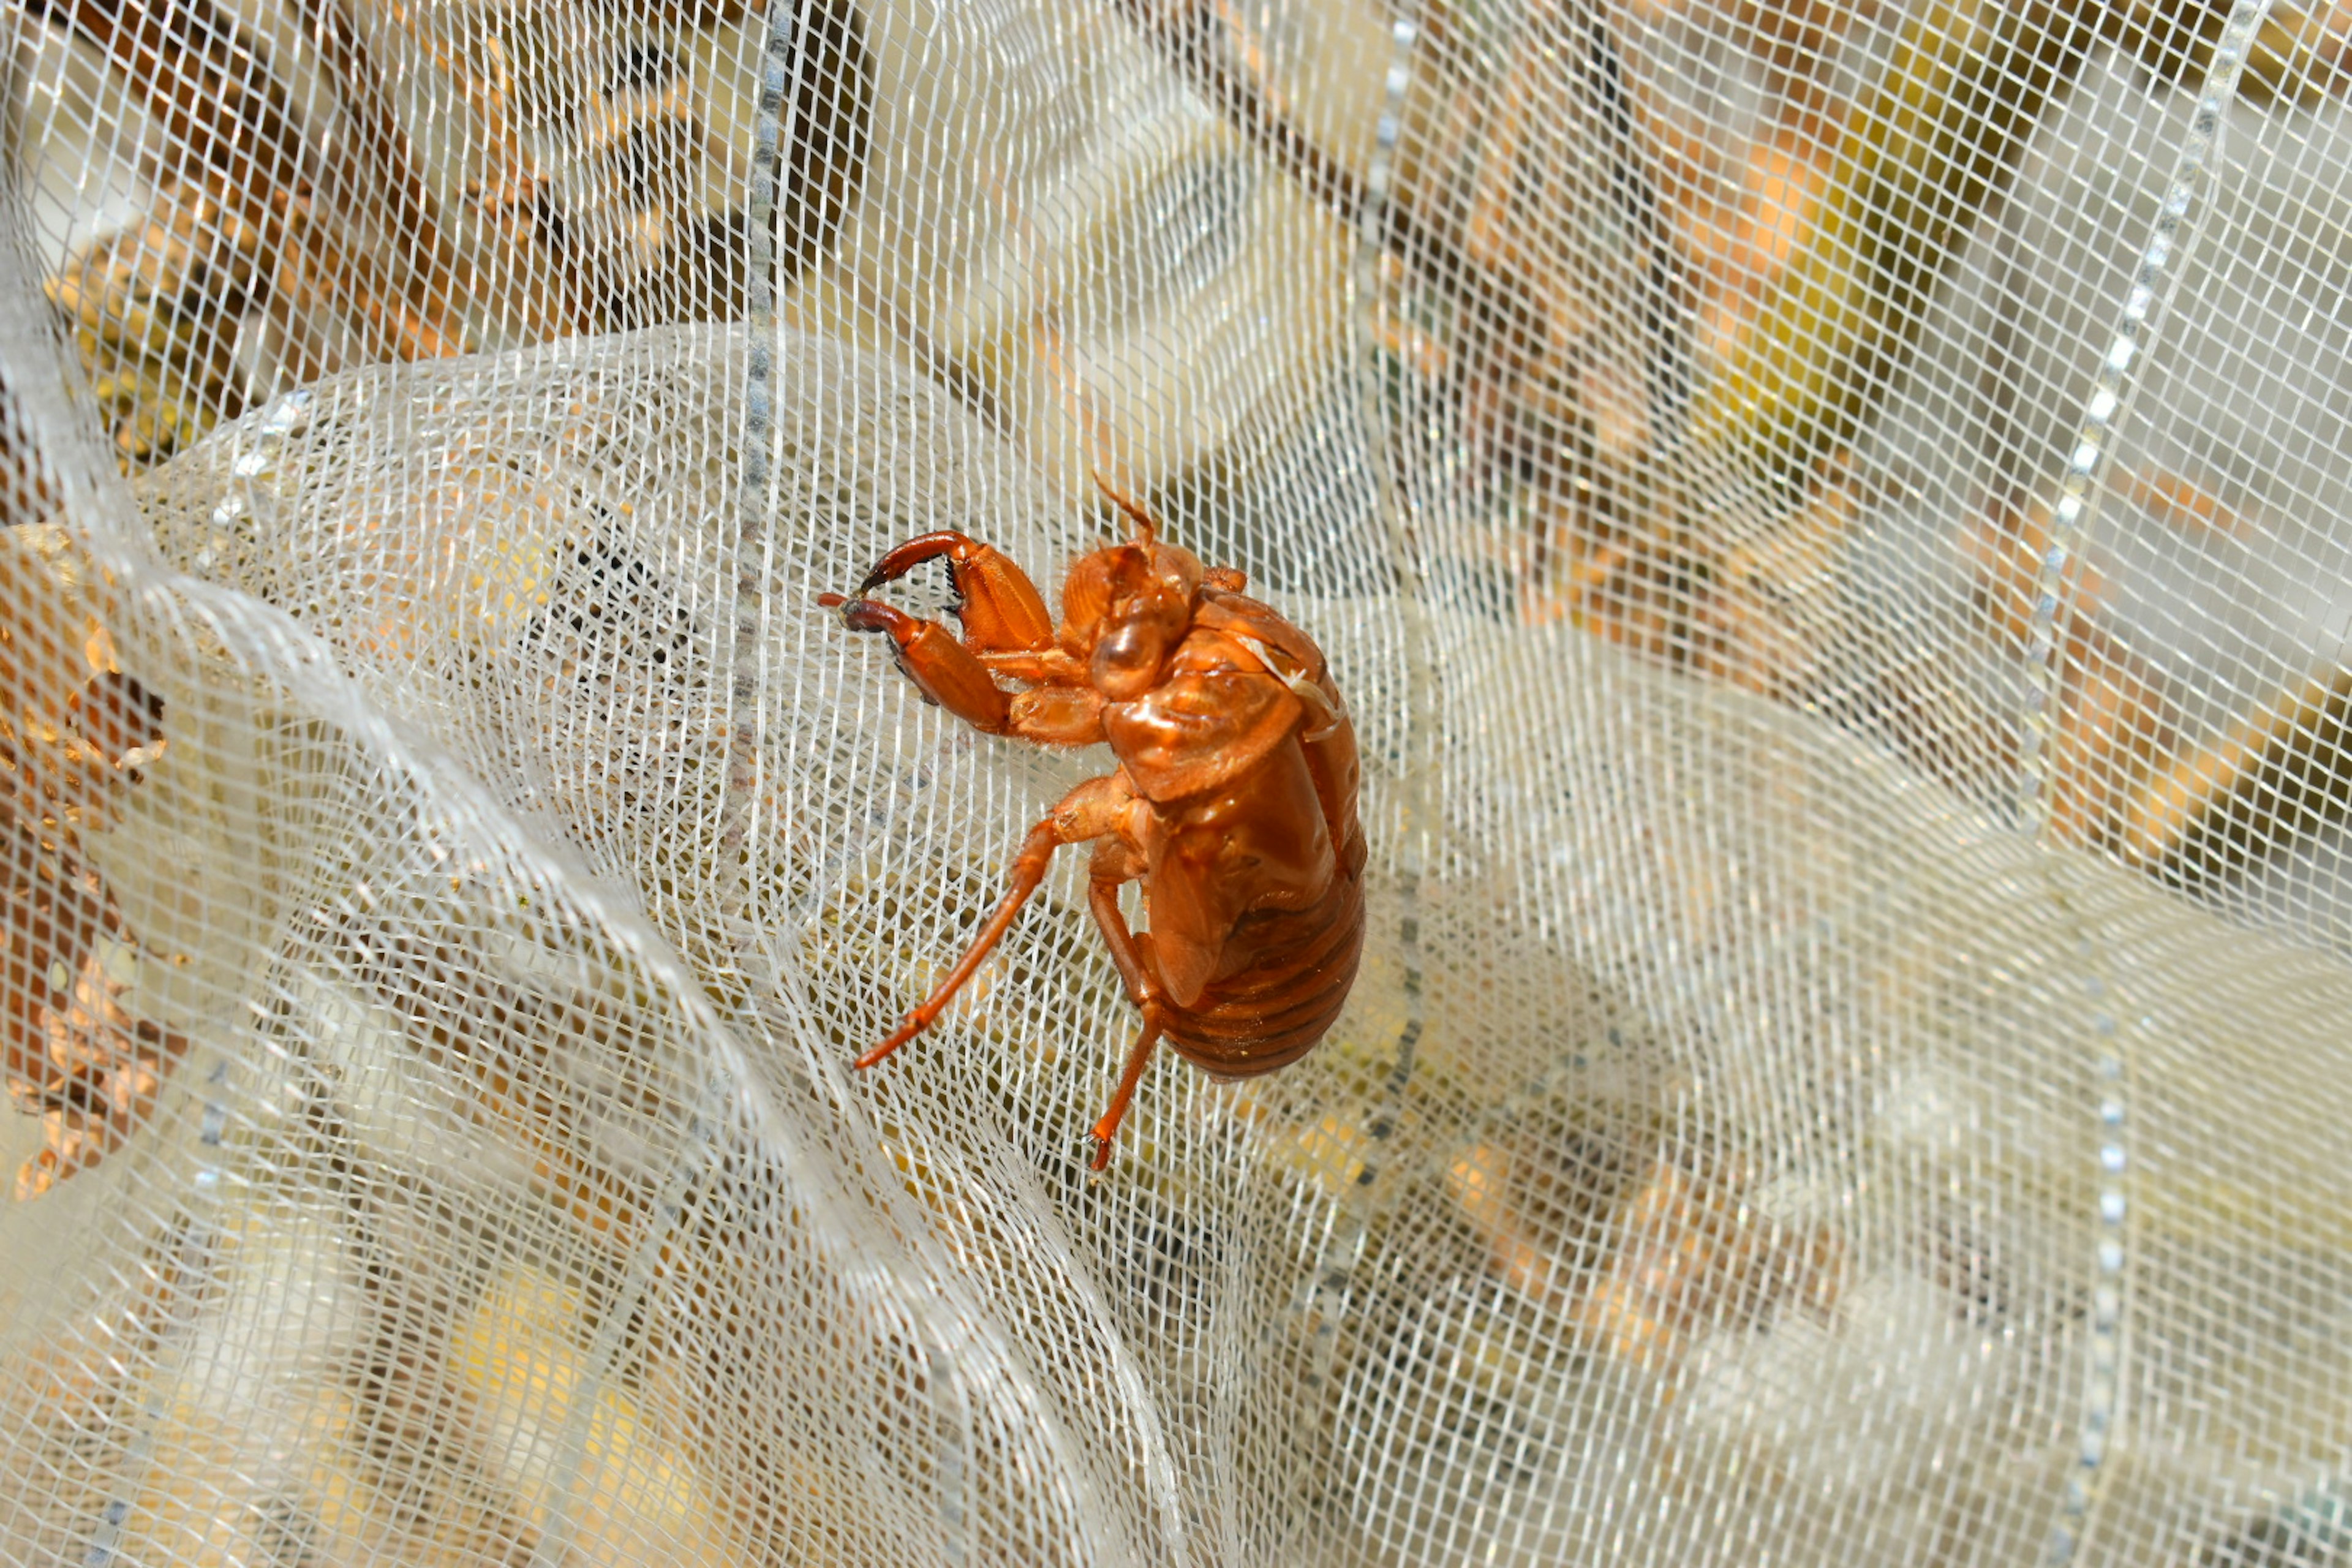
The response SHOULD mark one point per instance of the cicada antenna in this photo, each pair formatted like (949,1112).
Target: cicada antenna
(1146,531)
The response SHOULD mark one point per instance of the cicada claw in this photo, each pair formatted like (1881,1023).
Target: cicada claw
(1000,609)
(943,670)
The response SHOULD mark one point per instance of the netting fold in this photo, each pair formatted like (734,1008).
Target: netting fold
(1826,519)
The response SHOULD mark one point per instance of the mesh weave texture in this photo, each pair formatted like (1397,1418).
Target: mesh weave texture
(1829,520)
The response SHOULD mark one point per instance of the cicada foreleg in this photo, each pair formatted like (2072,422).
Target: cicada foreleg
(1007,631)
(1000,609)
(943,669)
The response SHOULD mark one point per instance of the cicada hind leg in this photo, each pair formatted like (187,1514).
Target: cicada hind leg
(1095,810)
(1138,1058)
(1116,863)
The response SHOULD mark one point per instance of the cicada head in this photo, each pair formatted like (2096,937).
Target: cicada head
(1125,609)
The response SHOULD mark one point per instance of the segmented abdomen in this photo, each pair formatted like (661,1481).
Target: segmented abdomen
(1272,1012)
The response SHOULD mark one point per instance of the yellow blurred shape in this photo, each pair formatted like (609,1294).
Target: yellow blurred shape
(582,1459)
(472,563)
(1330,1153)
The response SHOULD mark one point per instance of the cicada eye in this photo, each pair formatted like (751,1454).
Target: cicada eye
(1127,659)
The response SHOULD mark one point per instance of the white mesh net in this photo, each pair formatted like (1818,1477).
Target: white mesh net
(1828,520)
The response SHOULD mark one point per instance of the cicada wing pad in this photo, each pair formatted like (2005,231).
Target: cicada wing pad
(1331,739)
(1238,823)
(1212,861)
